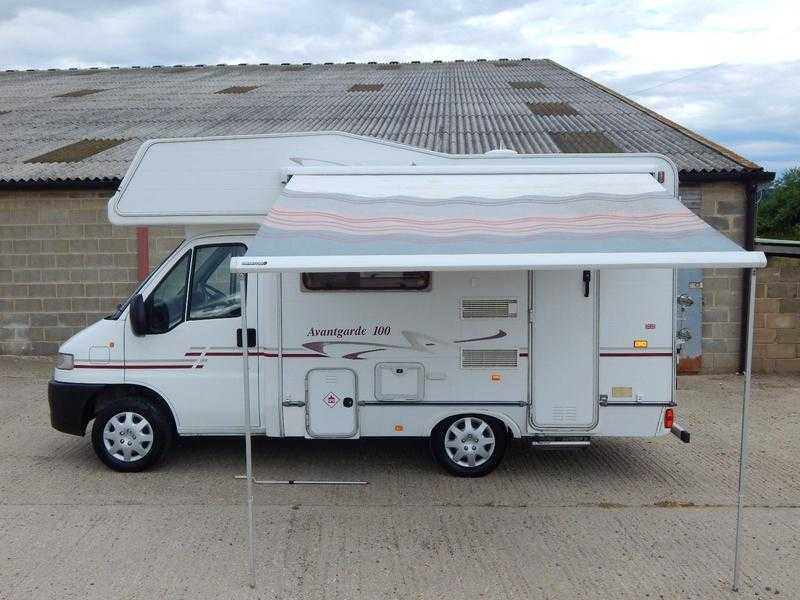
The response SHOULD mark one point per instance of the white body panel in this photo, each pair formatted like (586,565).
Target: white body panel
(364,338)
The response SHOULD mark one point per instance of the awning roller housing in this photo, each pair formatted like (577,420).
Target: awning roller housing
(461,220)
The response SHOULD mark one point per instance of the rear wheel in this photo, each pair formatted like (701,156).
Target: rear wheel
(130,434)
(469,445)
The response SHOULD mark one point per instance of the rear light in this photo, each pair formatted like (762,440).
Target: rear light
(669,418)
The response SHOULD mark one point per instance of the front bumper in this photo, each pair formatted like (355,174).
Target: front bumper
(71,405)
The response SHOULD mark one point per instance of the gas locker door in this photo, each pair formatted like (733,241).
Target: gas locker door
(331,403)
(564,350)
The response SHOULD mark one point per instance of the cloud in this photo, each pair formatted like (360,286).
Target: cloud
(747,102)
(748,108)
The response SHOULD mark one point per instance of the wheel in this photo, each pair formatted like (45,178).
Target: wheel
(469,445)
(130,434)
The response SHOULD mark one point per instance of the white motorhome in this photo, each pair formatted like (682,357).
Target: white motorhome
(390,291)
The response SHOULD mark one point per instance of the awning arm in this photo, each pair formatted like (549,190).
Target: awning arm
(737,556)
(248,450)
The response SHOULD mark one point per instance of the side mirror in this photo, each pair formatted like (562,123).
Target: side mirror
(138,316)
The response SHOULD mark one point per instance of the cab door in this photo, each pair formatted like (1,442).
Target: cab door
(190,355)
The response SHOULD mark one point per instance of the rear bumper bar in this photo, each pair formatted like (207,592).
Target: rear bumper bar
(681,433)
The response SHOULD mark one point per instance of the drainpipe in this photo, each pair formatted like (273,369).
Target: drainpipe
(751,189)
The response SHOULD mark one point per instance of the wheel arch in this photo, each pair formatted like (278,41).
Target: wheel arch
(113,392)
(511,425)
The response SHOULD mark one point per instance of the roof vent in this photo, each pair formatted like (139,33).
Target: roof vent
(77,93)
(288,67)
(527,85)
(237,89)
(366,87)
(551,108)
(488,359)
(77,151)
(504,62)
(4,112)
(489,308)
(582,142)
(500,152)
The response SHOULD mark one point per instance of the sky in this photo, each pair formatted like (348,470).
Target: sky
(727,69)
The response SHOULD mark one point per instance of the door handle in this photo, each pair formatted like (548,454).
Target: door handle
(587,279)
(251,337)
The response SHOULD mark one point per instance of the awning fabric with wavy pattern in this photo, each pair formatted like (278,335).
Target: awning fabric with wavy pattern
(474,221)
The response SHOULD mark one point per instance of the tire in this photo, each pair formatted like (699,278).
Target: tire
(130,434)
(461,440)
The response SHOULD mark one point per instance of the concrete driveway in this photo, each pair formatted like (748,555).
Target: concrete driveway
(623,519)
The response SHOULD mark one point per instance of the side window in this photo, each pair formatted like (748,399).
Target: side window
(214,289)
(367,281)
(165,306)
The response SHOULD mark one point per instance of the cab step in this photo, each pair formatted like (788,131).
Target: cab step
(560,442)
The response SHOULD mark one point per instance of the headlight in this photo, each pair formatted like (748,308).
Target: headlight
(65,361)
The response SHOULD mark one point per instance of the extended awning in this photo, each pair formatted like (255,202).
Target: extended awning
(422,219)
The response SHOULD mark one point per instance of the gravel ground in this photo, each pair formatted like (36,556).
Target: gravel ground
(622,519)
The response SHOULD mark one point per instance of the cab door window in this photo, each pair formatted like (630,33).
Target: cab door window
(166,306)
(214,289)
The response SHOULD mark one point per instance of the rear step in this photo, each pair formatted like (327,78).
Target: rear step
(560,442)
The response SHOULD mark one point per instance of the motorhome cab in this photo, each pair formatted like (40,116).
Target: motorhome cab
(390,291)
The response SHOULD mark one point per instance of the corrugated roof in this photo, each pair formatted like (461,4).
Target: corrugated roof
(456,107)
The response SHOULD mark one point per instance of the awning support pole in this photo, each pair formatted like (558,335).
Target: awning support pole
(737,557)
(248,451)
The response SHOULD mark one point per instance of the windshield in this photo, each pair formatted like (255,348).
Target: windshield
(123,305)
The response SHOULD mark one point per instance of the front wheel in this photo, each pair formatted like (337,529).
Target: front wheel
(130,434)
(469,445)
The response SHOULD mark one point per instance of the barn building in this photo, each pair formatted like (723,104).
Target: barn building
(68,137)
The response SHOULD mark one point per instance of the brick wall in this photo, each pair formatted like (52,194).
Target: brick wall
(722,205)
(63,265)
(777,322)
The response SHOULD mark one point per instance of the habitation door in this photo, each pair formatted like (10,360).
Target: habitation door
(191,358)
(564,361)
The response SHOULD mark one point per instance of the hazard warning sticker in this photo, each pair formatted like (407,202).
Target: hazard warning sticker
(331,399)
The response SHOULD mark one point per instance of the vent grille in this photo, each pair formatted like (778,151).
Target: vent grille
(488,308)
(366,87)
(77,151)
(551,108)
(237,89)
(488,359)
(564,414)
(78,93)
(527,85)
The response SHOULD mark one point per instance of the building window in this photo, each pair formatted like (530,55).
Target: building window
(368,281)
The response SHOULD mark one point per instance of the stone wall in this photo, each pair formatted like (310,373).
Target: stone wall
(777,322)
(63,265)
(722,205)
